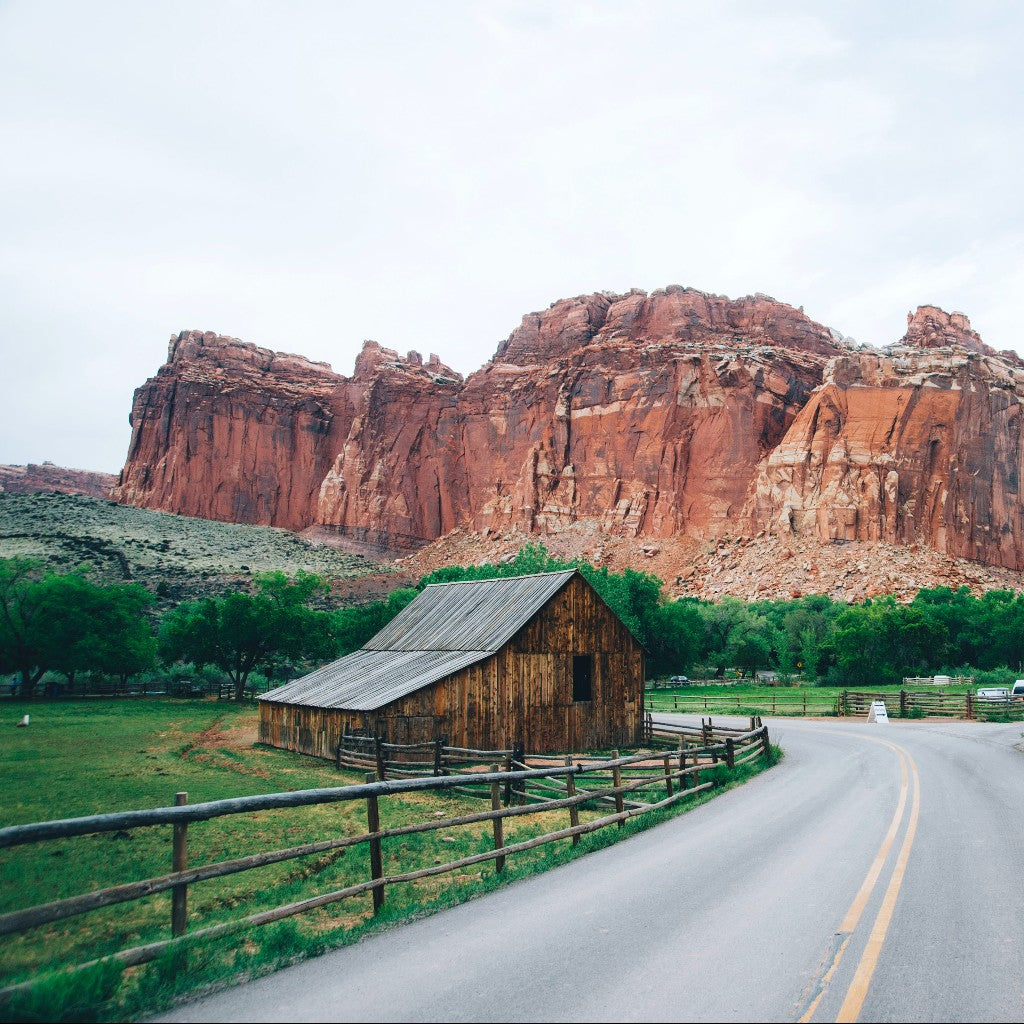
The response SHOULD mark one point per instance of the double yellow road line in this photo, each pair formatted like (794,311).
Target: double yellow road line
(910,785)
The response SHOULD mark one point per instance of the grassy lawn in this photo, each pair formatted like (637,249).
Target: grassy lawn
(87,757)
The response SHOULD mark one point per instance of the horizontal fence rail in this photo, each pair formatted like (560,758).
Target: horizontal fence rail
(616,788)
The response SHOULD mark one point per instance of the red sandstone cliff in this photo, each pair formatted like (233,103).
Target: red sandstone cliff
(921,443)
(229,431)
(674,414)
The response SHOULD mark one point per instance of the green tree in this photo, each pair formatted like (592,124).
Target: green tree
(23,637)
(737,636)
(677,637)
(879,641)
(120,641)
(810,653)
(239,631)
(355,625)
(66,623)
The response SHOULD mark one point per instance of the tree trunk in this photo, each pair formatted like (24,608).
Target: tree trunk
(28,681)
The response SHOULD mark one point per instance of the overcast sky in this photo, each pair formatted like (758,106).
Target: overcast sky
(308,175)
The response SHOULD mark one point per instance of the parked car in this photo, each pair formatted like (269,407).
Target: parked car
(679,680)
(994,693)
(1017,690)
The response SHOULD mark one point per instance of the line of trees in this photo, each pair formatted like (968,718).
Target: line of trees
(69,624)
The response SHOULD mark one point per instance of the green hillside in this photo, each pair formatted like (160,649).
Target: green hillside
(176,557)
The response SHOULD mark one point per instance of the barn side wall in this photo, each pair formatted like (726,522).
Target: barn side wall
(521,693)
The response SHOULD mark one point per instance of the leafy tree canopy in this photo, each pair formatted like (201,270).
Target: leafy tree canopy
(240,631)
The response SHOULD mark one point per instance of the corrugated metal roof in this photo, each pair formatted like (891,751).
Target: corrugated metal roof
(475,615)
(367,680)
(445,629)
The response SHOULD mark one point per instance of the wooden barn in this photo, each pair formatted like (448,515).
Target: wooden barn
(539,660)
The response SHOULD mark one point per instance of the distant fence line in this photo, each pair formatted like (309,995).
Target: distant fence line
(136,686)
(778,702)
(938,680)
(670,770)
(847,703)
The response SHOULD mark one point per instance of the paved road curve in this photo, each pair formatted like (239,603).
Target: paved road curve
(876,874)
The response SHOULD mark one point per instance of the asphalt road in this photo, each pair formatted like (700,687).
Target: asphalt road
(875,875)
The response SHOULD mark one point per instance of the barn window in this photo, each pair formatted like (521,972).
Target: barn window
(582,677)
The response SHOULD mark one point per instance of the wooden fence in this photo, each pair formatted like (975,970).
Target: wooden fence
(674,768)
(932,704)
(931,681)
(778,702)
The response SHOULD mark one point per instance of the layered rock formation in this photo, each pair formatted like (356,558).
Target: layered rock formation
(233,432)
(48,478)
(921,443)
(671,415)
(230,431)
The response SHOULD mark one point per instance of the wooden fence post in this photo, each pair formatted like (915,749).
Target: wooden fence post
(519,786)
(337,756)
(376,861)
(378,744)
(668,775)
(570,791)
(730,752)
(969,705)
(765,744)
(707,738)
(499,838)
(179,862)
(438,745)
(617,781)
(903,703)
(508,785)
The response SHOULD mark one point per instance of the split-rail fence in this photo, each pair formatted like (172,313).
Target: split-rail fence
(678,763)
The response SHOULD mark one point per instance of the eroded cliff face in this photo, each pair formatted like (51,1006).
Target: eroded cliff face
(674,414)
(398,476)
(230,431)
(920,444)
(650,413)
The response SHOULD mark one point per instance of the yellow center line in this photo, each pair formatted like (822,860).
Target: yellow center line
(858,990)
(853,915)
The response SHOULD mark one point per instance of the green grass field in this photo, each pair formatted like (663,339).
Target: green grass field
(79,758)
